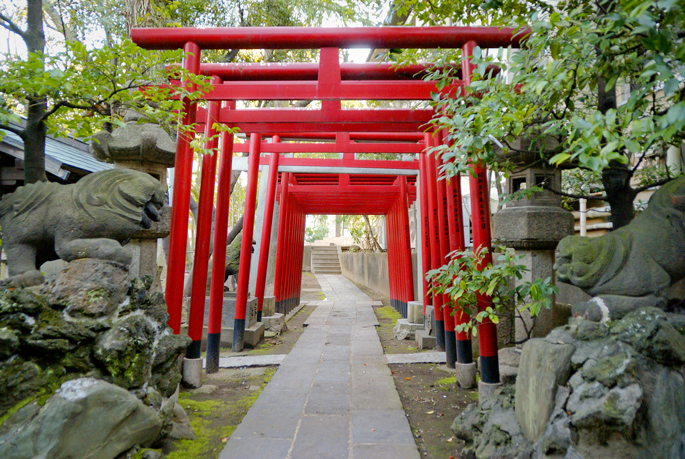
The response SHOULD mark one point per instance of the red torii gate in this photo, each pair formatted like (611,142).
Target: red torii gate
(330,88)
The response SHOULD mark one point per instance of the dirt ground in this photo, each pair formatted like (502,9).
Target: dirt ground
(428,392)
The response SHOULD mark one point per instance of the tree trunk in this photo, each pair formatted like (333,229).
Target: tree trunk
(374,242)
(620,195)
(36,130)
(615,178)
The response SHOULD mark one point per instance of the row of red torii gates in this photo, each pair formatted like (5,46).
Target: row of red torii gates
(347,186)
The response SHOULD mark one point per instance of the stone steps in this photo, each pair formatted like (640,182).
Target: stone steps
(325,260)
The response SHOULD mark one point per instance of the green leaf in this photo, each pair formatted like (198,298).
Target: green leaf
(559,158)
(555,49)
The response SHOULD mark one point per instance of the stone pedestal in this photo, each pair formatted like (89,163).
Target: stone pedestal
(429,321)
(415,312)
(424,340)
(406,330)
(466,375)
(487,392)
(192,373)
(144,250)
(269,306)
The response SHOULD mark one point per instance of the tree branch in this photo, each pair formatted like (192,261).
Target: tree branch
(651,185)
(11,26)
(20,132)
(574,196)
(64,103)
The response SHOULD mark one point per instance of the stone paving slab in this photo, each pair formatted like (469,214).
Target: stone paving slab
(420,357)
(249,361)
(333,395)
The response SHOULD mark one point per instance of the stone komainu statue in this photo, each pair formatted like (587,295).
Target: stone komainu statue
(88,219)
(640,260)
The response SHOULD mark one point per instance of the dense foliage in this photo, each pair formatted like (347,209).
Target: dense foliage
(597,85)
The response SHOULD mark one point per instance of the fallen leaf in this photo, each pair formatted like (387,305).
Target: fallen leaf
(373,430)
(449,440)
(407,378)
(225,439)
(430,412)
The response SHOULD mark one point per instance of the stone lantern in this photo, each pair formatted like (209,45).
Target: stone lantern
(147,148)
(534,227)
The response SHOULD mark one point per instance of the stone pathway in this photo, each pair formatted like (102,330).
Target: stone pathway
(333,395)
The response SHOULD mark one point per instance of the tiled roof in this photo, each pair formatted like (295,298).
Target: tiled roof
(69,152)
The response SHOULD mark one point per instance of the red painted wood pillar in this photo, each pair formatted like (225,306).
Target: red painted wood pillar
(424,231)
(480,218)
(180,205)
(450,337)
(397,260)
(406,244)
(279,274)
(436,260)
(457,242)
(216,289)
(300,254)
(246,244)
(266,230)
(196,313)
(288,261)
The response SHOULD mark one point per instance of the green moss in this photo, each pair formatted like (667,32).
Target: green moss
(16,408)
(447,381)
(320,296)
(96,295)
(262,348)
(204,408)
(141,452)
(388,312)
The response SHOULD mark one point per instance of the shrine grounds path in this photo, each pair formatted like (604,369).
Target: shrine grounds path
(333,395)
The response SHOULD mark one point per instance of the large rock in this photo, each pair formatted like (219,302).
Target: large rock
(59,335)
(491,429)
(624,399)
(543,368)
(86,419)
(89,288)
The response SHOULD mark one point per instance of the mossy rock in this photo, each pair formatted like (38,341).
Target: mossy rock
(22,380)
(125,351)
(21,301)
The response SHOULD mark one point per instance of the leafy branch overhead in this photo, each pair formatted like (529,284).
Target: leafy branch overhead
(87,80)
(597,86)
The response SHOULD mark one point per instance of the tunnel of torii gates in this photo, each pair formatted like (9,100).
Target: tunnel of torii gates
(323,186)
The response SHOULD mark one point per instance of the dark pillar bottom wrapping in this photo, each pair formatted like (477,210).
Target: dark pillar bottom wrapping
(450,348)
(194,350)
(213,351)
(489,369)
(238,335)
(440,335)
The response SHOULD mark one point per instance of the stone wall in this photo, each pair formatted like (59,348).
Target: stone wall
(371,270)
(307,258)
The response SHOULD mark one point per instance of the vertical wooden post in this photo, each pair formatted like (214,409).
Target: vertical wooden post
(246,244)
